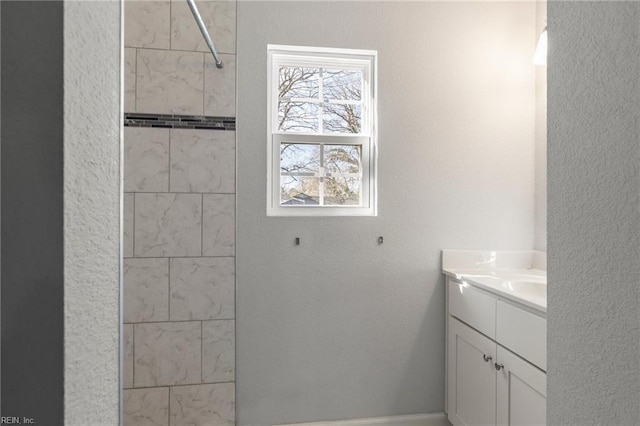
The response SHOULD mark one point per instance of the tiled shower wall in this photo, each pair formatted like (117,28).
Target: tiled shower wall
(179,217)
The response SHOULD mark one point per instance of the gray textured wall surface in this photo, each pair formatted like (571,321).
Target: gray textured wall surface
(340,327)
(32,235)
(92,194)
(593,267)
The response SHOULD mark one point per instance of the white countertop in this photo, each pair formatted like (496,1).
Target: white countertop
(519,276)
(525,286)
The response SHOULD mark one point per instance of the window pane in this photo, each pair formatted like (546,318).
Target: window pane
(299,82)
(342,84)
(297,117)
(321,155)
(296,190)
(342,191)
(342,159)
(342,118)
(299,158)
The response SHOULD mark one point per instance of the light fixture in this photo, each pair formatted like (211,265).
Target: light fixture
(540,57)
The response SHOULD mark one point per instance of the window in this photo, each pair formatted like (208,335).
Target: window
(321,119)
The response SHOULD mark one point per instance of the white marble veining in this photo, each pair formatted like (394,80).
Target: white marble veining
(220,86)
(218,351)
(127,362)
(129,80)
(218,225)
(202,288)
(147,23)
(179,202)
(167,353)
(219,17)
(146,159)
(202,161)
(146,407)
(210,404)
(146,290)
(170,82)
(168,225)
(127,225)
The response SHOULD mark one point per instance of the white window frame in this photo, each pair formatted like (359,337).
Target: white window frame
(362,60)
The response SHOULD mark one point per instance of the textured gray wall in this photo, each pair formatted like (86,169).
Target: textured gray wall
(594,181)
(60,216)
(32,235)
(92,211)
(340,327)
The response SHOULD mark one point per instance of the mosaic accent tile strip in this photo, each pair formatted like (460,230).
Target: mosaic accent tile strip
(174,121)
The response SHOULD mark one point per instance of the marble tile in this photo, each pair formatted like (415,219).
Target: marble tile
(129,80)
(218,225)
(168,353)
(127,351)
(220,86)
(170,82)
(211,404)
(219,17)
(218,351)
(127,225)
(146,159)
(202,288)
(168,225)
(146,407)
(146,290)
(202,161)
(147,23)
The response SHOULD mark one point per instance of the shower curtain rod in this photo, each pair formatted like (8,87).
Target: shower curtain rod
(205,33)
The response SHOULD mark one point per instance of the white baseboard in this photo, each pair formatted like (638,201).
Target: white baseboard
(435,419)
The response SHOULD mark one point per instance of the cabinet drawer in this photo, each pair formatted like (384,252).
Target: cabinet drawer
(523,333)
(473,307)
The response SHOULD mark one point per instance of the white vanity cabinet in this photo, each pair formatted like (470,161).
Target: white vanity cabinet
(496,353)
(472,377)
(521,391)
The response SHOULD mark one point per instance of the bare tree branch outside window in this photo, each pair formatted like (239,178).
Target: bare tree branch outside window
(319,100)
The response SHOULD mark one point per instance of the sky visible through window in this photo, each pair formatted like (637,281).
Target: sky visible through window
(320,174)
(320,101)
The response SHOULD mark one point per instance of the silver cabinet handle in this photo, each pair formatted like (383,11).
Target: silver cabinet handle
(499,366)
(486,358)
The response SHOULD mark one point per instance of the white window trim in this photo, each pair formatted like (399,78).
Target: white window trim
(365,60)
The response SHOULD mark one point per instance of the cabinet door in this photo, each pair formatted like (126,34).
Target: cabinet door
(471,376)
(522,392)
